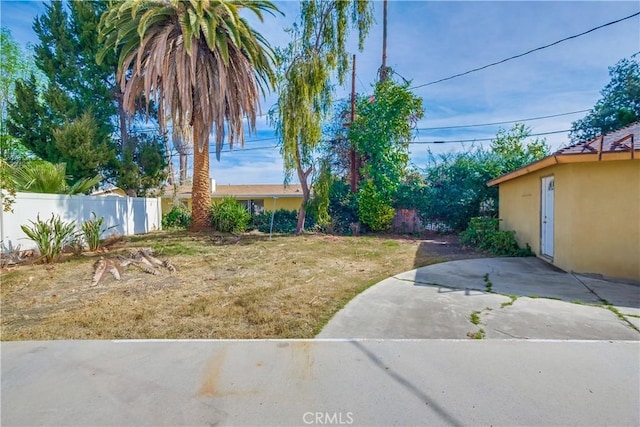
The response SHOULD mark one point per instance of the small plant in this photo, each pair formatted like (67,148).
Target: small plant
(92,230)
(50,236)
(484,233)
(475,317)
(487,283)
(508,303)
(476,335)
(228,216)
(178,217)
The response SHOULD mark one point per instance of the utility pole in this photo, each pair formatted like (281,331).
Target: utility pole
(352,153)
(383,68)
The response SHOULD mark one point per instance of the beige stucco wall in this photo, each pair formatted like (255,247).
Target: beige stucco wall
(287,203)
(597,215)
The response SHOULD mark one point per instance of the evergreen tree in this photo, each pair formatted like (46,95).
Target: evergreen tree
(29,121)
(75,86)
(619,105)
(50,121)
(14,65)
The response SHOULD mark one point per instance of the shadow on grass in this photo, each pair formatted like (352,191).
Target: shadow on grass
(435,248)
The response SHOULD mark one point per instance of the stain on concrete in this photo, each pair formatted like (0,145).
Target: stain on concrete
(302,360)
(211,374)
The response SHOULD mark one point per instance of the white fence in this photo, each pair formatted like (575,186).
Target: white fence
(127,215)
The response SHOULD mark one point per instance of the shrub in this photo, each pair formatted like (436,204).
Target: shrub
(228,216)
(484,233)
(373,210)
(178,217)
(50,236)
(343,208)
(92,230)
(284,221)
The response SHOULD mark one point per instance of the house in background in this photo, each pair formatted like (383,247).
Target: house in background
(257,198)
(579,208)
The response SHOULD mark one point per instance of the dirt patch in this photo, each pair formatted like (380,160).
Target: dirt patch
(246,286)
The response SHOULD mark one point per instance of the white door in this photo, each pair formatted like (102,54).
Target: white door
(546,216)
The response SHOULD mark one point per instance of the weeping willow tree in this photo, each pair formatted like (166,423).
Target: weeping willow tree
(316,53)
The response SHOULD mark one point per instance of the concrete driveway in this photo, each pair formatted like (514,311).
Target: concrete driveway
(320,382)
(591,378)
(524,298)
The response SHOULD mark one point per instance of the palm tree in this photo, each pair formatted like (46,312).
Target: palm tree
(202,64)
(39,176)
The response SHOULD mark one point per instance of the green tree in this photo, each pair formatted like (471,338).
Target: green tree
(14,65)
(317,51)
(336,147)
(142,165)
(76,85)
(84,147)
(619,105)
(456,187)
(381,133)
(201,62)
(511,152)
(27,120)
(456,184)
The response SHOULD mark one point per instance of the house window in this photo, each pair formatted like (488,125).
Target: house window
(255,207)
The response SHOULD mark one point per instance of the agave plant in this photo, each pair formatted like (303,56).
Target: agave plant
(50,236)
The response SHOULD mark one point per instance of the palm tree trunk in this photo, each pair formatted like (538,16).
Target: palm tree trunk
(183,169)
(201,188)
(122,116)
(167,152)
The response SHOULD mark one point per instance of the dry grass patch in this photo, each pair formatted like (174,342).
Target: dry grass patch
(224,287)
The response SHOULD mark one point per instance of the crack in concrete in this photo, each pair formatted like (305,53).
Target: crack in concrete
(607,305)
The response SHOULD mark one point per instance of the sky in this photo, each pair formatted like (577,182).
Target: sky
(432,40)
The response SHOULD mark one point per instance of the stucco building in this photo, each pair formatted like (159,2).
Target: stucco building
(257,198)
(579,208)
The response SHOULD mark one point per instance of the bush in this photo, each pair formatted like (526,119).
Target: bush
(343,208)
(50,236)
(178,217)
(228,216)
(484,233)
(284,221)
(373,211)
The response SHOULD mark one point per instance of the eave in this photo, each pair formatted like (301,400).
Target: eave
(565,158)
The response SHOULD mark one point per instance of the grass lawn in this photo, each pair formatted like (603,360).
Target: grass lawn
(224,287)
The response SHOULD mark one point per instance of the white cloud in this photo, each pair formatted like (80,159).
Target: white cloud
(429,40)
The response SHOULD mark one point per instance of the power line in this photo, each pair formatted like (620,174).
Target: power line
(527,52)
(270,147)
(364,89)
(272,138)
(484,139)
(505,122)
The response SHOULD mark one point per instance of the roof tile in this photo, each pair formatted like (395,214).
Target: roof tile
(612,142)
